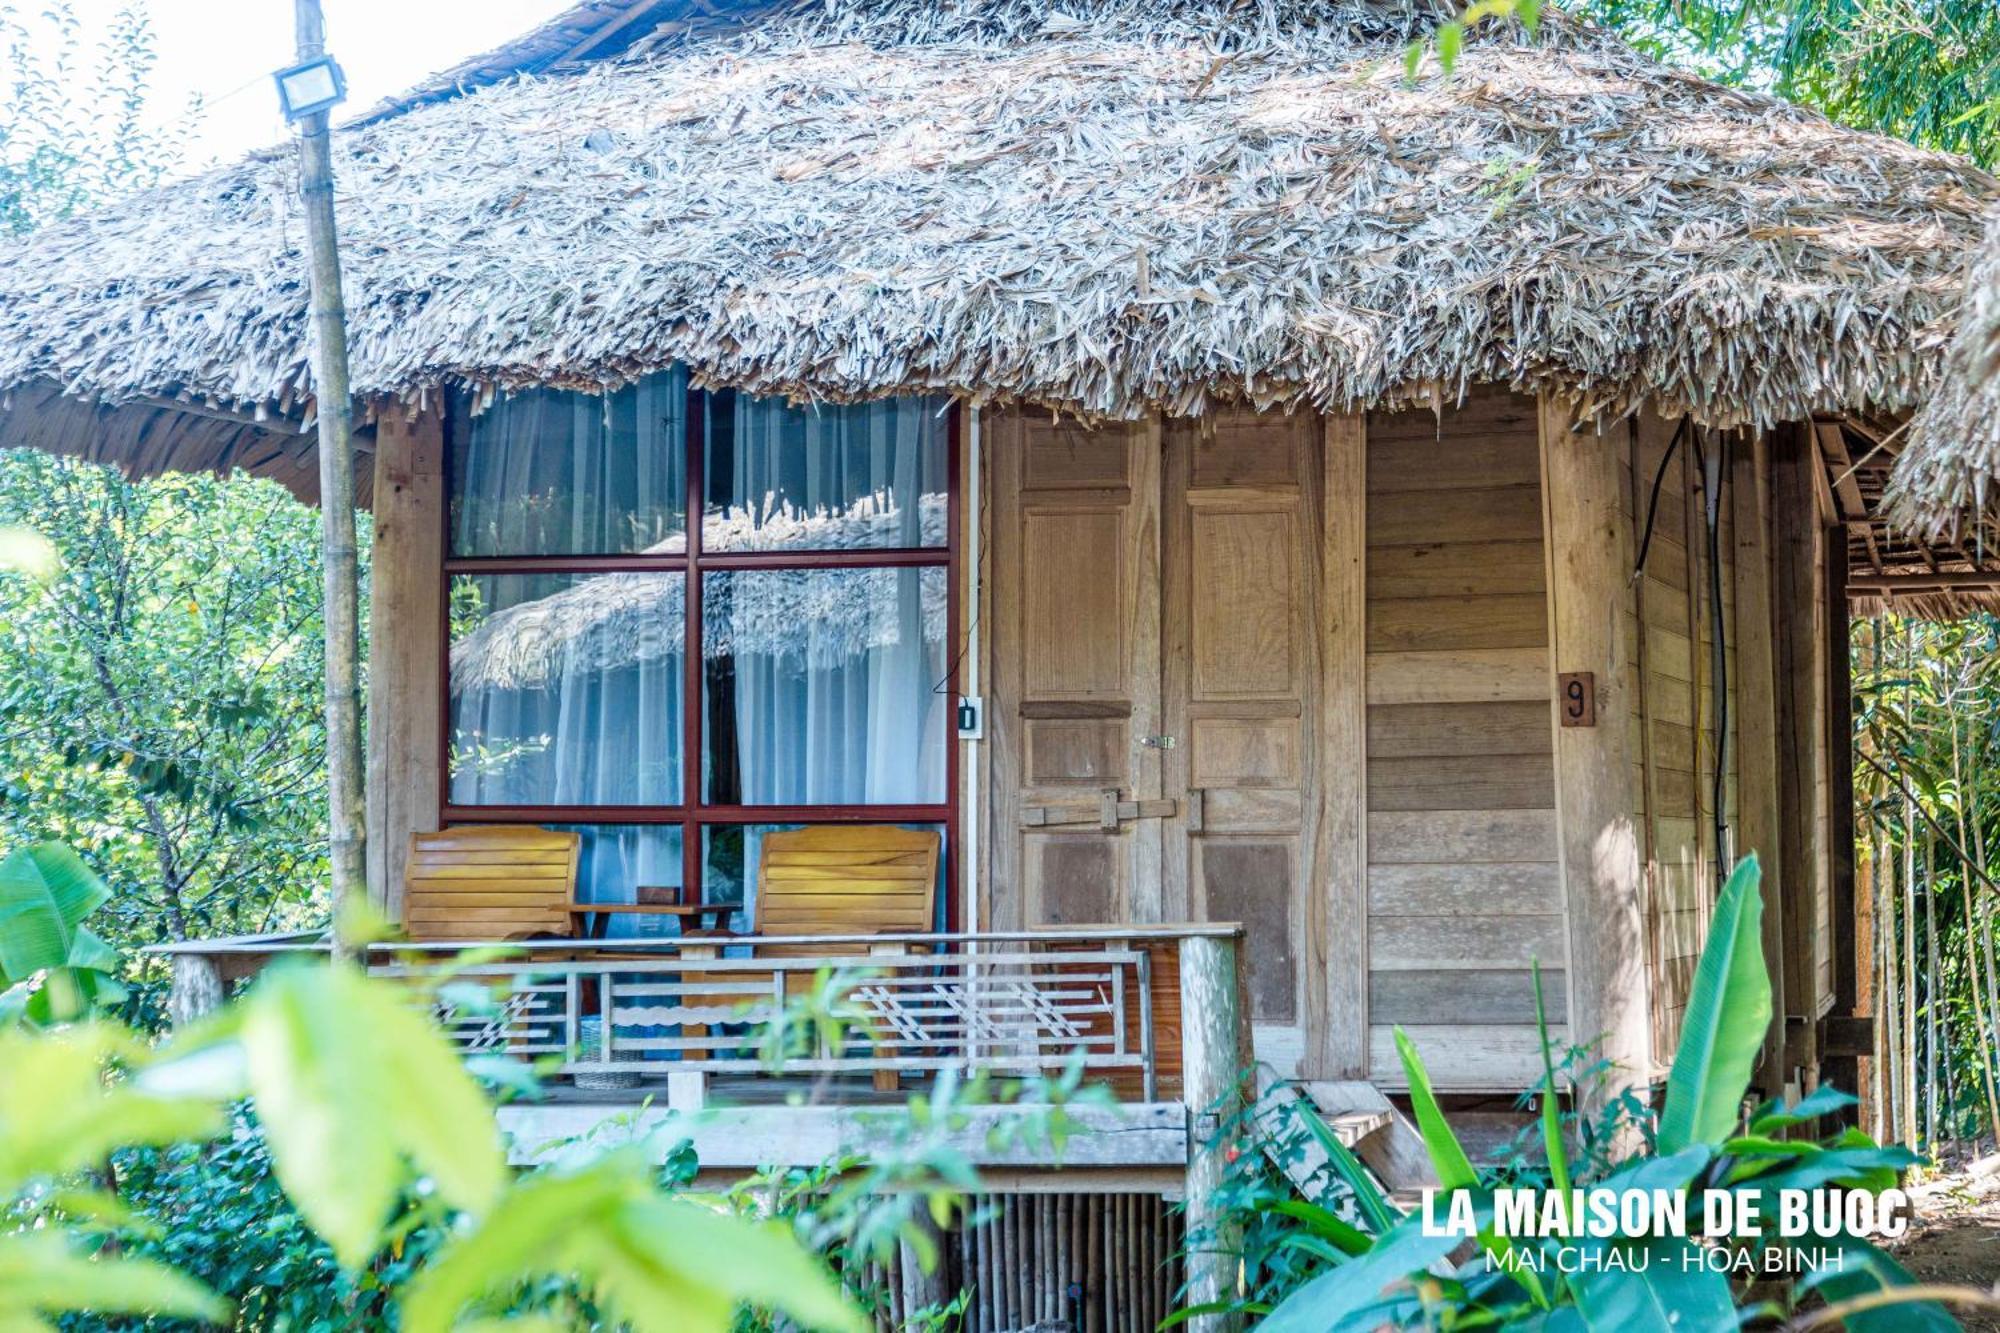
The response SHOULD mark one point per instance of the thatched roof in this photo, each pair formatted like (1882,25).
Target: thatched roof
(1106,208)
(1944,480)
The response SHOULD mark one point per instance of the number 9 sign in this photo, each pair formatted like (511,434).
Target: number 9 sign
(1576,698)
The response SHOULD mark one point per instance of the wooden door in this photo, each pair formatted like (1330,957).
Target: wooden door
(1077,808)
(1241,682)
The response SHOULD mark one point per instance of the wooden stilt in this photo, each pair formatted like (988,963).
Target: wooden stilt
(1211,1018)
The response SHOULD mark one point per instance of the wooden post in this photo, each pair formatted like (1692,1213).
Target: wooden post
(1211,1016)
(196,989)
(406,625)
(1590,565)
(1757,806)
(921,1289)
(1798,555)
(1337,905)
(347,826)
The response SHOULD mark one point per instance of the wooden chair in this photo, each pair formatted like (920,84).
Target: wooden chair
(841,879)
(491,881)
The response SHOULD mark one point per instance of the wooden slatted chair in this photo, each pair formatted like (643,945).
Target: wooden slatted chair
(841,879)
(491,881)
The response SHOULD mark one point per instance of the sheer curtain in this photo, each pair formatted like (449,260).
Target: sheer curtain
(547,472)
(827,691)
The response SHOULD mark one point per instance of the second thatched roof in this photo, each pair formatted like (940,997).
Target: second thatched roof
(1945,478)
(1106,208)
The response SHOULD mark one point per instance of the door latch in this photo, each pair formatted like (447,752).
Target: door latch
(1158,742)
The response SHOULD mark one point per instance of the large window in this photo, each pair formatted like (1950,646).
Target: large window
(671,691)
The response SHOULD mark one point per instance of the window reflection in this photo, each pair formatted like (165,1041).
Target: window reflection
(854,477)
(566,689)
(547,472)
(821,686)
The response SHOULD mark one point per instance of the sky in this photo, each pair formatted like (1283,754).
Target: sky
(224,51)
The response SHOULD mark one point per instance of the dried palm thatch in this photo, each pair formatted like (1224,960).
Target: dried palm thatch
(1106,208)
(1944,478)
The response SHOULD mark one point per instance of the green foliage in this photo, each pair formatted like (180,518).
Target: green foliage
(1924,70)
(60,152)
(159,696)
(1396,1274)
(51,966)
(353,1086)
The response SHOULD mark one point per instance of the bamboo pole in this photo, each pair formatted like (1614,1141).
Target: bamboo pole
(346,828)
(1931,1070)
(1909,918)
(1980,1031)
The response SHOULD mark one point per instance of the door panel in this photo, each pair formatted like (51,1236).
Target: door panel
(1075,634)
(1241,517)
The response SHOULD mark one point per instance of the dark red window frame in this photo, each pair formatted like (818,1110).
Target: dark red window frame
(695,814)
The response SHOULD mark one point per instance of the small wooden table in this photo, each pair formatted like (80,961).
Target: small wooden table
(693,916)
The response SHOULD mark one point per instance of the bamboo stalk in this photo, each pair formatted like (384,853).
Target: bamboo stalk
(1980,1032)
(1931,1069)
(346,824)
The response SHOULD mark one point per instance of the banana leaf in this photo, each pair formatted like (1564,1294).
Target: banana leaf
(1728,1011)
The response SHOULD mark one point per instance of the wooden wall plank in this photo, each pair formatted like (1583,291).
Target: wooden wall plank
(1756,712)
(1501,995)
(1458,676)
(1404,624)
(1405,943)
(1472,782)
(1507,888)
(1461,835)
(1462,1056)
(1402,731)
(1502,513)
(1467,568)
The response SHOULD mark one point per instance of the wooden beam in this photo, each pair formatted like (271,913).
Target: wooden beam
(1337,906)
(1757,806)
(405,631)
(1905,585)
(1589,542)
(1833,448)
(748,1137)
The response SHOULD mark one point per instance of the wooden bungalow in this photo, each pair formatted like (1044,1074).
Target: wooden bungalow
(1199,474)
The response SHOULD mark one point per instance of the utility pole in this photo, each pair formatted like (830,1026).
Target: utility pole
(346,828)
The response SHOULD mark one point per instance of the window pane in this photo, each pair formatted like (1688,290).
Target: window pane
(620,859)
(731,855)
(548,472)
(566,689)
(784,478)
(823,686)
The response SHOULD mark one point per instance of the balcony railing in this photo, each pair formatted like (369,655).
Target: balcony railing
(670,1014)
(1024,1003)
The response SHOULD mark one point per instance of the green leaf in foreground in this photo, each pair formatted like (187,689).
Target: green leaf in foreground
(659,1264)
(349,1078)
(1728,1010)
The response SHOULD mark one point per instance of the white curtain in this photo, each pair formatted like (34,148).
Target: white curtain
(837,671)
(552,473)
